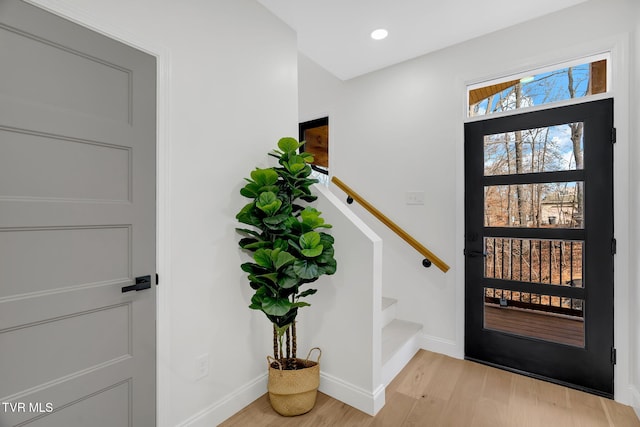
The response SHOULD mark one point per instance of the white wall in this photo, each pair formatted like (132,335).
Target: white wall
(401,129)
(634,300)
(325,94)
(227,92)
(345,319)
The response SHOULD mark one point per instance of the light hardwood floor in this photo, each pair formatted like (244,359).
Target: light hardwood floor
(436,390)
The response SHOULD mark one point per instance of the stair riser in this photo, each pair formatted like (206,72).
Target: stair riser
(388,314)
(400,359)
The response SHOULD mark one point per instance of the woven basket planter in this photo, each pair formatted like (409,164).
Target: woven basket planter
(293,392)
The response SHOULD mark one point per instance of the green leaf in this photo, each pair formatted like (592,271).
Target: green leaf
(300,304)
(295,164)
(283,259)
(272,188)
(305,269)
(308,157)
(330,267)
(311,217)
(251,190)
(264,177)
(309,240)
(309,199)
(247,231)
(288,279)
(313,252)
(256,301)
(274,255)
(276,219)
(307,293)
(288,144)
(268,203)
(327,255)
(276,306)
(276,228)
(257,279)
(327,239)
(247,216)
(256,245)
(273,277)
(252,268)
(262,257)
(294,245)
(280,244)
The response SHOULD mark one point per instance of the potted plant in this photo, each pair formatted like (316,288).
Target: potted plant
(289,251)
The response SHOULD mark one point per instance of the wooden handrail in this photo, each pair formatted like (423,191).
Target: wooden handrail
(392,225)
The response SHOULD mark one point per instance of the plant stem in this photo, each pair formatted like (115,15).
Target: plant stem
(294,339)
(275,342)
(288,339)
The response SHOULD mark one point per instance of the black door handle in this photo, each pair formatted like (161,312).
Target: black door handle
(142,282)
(474,254)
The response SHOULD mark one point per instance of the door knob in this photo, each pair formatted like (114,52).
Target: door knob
(142,282)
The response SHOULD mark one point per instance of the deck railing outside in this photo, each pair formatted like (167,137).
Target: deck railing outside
(543,262)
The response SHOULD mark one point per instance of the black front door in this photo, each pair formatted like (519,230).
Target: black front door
(539,244)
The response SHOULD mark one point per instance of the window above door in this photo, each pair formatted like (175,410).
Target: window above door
(580,79)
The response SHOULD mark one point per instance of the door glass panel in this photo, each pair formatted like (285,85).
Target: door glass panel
(548,205)
(549,262)
(547,149)
(550,318)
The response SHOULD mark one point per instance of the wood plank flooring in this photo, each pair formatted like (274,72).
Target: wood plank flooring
(537,324)
(436,390)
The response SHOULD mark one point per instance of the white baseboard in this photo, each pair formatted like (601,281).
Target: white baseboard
(442,346)
(229,405)
(361,399)
(367,402)
(635,399)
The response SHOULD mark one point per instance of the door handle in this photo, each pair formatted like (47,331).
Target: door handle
(474,254)
(142,282)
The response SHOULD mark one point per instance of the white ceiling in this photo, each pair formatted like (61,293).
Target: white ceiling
(336,33)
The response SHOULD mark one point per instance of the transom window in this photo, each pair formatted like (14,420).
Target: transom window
(561,82)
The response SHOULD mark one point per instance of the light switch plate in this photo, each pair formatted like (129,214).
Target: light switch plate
(414,197)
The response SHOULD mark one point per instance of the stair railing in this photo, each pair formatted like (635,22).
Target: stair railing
(429,257)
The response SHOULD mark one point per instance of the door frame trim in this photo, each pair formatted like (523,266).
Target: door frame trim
(619,46)
(163,180)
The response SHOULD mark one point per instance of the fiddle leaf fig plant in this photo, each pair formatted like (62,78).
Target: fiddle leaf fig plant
(288,247)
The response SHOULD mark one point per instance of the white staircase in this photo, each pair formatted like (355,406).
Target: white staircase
(399,341)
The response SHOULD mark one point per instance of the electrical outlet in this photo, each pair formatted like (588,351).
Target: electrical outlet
(202,366)
(414,197)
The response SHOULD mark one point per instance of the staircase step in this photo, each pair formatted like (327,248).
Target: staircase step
(399,345)
(388,310)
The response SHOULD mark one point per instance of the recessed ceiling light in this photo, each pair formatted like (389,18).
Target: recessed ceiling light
(379,34)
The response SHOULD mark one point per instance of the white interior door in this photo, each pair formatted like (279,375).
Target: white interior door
(77,224)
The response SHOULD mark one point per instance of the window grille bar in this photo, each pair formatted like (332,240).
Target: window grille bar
(502,258)
(550,263)
(540,261)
